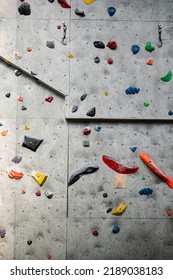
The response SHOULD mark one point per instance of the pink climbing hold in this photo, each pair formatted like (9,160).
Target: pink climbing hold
(58,26)
(64,4)
(112,45)
(110,60)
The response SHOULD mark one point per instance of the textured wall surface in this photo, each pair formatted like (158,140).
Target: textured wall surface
(62,227)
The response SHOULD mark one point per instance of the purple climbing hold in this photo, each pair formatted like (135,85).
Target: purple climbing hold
(91,112)
(135,49)
(99,44)
(2,233)
(16,159)
(31,143)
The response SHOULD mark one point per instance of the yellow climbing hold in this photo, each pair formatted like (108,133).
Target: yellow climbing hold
(89,1)
(39,177)
(120,209)
(26,127)
(70,55)
(106,93)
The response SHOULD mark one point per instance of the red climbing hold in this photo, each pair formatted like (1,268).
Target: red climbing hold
(112,45)
(95,233)
(150,62)
(118,167)
(110,60)
(37,193)
(87,130)
(49,99)
(64,4)
(169,212)
(49,256)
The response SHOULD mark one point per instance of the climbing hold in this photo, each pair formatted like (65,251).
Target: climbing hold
(29,242)
(64,40)
(50,44)
(118,167)
(109,210)
(169,212)
(98,127)
(143,178)
(96,59)
(105,195)
(87,130)
(49,99)
(112,45)
(89,1)
(79,12)
(17,56)
(17,72)
(86,143)
(167,77)
(120,209)
(49,256)
(51,1)
(16,159)
(160,35)
(74,108)
(23,108)
(14,174)
(87,168)
(133,148)
(58,26)
(95,233)
(8,95)
(20,99)
(149,47)
(115,229)
(1,124)
(23,191)
(64,4)
(82,98)
(148,161)
(34,74)
(111,11)
(48,194)
(132,90)
(146,191)
(29,49)
(135,49)
(4,133)
(99,44)
(26,127)
(109,60)
(106,93)
(120,181)
(170,113)
(70,55)
(38,193)
(24,9)
(146,104)
(91,112)
(40,178)
(31,143)
(150,62)
(2,233)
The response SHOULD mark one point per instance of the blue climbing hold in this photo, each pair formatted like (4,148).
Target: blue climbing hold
(133,148)
(98,128)
(111,11)
(132,90)
(146,191)
(135,49)
(170,113)
(115,229)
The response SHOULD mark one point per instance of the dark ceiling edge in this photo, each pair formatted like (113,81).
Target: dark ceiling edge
(9,63)
(107,120)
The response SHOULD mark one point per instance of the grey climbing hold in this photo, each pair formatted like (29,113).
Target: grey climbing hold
(86,143)
(2,233)
(31,143)
(17,72)
(96,59)
(33,74)
(99,44)
(16,159)
(82,98)
(50,44)
(8,95)
(87,168)
(48,194)
(79,12)
(24,9)
(91,112)
(23,108)
(74,108)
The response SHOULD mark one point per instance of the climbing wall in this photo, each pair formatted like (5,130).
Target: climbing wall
(70,217)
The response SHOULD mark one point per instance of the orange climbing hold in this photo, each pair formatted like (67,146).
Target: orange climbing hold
(70,55)
(15,174)
(4,133)
(23,191)
(150,62)
(20,99)
(29,49)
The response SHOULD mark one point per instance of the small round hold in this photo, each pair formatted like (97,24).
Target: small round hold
(96,59)
(109,210)
(58,26)
(29,242)
(115,229)
(17,72)
(38,193)
(87,130)
(49,256)
(110,60)
(135,49)
(24,9)
(105,195)
(95,233)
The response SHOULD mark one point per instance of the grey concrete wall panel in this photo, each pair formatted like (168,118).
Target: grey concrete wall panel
(8,9)
(86,195)
(137,239)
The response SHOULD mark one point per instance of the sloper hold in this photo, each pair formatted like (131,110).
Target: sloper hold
(167,77)
(31,143)
(79,12)
(111,11)
(39,177)
(99,44)
(87,168)
(118,167)
(89,1)
(120,209)
(91,112)
(64,4)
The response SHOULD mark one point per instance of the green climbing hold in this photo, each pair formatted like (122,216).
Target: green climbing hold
(143,178)
(149,47)
(146,104)
(167,77)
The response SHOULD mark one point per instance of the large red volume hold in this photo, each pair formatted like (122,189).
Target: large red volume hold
(148,161)
(64,4)
(118,167)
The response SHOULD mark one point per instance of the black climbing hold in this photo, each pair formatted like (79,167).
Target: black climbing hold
(31,143)
(17,72)
(109,210)
(29,242)
(99,44)
(79,12)
(91,112)
(51,1)
(16,159)
(50,44)
(24,9)
(86,143)
(23,108)
(82,98)
(96,59)
(105,195)
(74,108)
(34,74)
(8,95)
